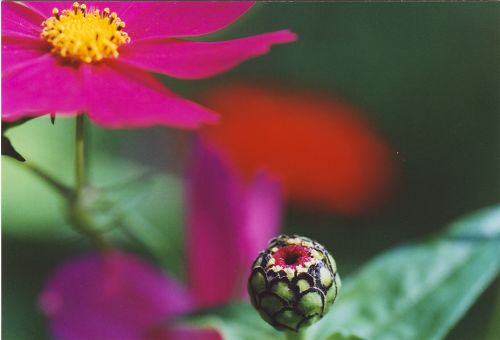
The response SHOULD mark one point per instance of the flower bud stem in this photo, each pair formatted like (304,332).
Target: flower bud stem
(290,335)
(80,176)
(77,215)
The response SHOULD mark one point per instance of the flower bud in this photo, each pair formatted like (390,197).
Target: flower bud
(293,282)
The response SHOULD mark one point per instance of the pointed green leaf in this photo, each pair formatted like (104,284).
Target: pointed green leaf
(419,291)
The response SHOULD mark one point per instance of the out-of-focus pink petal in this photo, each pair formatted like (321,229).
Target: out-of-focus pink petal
(215,221)
(16,51)
(122,96)
(111,296)
(41,86)
(263,215)
(20,21)
(227,225)
(190,60)
(165,18)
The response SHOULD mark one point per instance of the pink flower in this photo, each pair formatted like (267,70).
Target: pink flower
(87,58)
(119,296)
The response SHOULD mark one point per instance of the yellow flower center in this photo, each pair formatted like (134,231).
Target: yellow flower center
(88,36)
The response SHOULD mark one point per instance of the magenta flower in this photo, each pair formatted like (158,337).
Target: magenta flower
(96,58)
(119,296)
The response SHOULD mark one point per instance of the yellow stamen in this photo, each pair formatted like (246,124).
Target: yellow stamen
(83,35)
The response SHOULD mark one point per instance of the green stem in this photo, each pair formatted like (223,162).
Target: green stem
(290,335)
(78,217)
(83,225)
(80,154)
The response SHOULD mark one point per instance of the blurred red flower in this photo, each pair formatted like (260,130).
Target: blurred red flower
(323,150)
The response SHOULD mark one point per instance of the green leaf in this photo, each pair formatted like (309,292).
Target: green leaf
(419,291)
(51,148)
(147,211)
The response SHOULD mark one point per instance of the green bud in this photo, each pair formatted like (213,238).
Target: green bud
(293,282)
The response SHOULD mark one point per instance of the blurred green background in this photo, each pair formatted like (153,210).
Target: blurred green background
(427,75)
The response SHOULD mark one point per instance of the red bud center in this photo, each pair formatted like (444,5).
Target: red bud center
(292,256)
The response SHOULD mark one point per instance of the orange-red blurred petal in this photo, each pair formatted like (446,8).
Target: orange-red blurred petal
(324,152)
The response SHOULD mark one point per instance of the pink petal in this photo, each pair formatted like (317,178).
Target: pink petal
(17,51)
(111,296)
(40,86)
(179,19)
(121,96)
(20,21)
(45,7)
(227,226)
(190,60)
(264,212)
(167,18)
(215,220)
